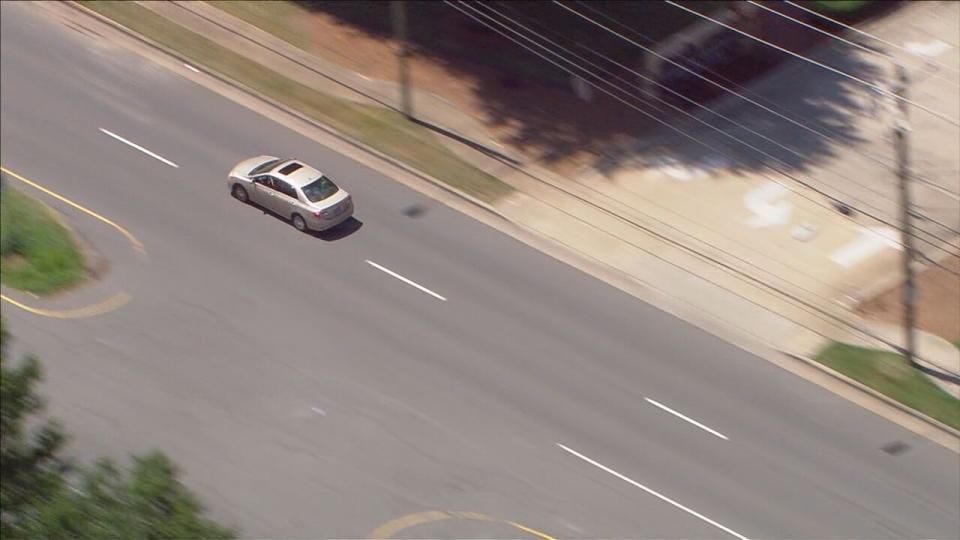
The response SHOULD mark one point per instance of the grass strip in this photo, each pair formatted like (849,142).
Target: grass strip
(37,253)
(890,374)
(278,18)
(383,129)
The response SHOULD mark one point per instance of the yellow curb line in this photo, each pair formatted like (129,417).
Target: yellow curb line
(110,304)
(389,529)
(100,308)
(133,240)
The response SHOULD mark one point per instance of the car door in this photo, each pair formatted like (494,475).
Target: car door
(285,199)
(263,191)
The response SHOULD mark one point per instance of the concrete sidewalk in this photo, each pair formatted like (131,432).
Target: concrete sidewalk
(745,256)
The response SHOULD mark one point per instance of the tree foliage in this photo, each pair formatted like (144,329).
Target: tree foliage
(41,496)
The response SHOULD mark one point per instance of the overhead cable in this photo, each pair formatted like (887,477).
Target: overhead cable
(868,84)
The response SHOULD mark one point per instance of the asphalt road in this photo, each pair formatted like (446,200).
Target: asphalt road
(307,393)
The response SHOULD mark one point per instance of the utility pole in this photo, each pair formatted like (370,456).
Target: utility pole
(901,132)
(398,9)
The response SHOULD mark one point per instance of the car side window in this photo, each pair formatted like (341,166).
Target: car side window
(286,189)
(265,180)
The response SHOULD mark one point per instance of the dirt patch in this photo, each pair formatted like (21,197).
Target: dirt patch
(547,131)
(14,261)
(530,105)
(938,309)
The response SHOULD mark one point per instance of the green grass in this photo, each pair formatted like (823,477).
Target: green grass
(434,33)
(383,129)
(890,374)
(841,6)
(37,253)
(282,19)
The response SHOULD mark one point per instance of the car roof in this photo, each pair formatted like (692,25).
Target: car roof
(298,173)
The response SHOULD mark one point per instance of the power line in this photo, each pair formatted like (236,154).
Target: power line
(726,267)
(868,84)
(593,64)
(784,173)
(561,47)
(585,186)
(928,259)
(651,41)
(648,200)
(620,99)
(834,36)
(753,102)
(704,107)
(869,35)
(771,109)
(684,233)
(806,306)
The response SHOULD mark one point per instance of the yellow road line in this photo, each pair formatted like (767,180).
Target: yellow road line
(133,239)
(391,528)
(532,531)
(387,530)
(100,308)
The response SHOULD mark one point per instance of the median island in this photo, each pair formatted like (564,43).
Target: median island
(38,252)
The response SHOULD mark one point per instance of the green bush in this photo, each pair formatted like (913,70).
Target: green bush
(43,495)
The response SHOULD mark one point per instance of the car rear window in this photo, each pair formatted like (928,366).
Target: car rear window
(319,189)
(264,167)
(290,168)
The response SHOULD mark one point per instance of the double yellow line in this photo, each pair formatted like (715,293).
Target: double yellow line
(110,304)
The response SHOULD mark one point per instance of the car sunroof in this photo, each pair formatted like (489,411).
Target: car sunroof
(290,168)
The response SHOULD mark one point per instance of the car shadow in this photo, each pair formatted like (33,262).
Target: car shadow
(343,230)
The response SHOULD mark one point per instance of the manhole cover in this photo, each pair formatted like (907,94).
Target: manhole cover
(896,448)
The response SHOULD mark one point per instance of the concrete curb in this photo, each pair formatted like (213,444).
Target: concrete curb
(261,37)
(468,198)
(932,422)
(273,103)
(871,291)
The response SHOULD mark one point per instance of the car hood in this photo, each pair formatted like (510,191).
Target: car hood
(246,165)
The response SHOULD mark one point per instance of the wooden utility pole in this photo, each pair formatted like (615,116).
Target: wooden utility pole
(901,133)
(398,10)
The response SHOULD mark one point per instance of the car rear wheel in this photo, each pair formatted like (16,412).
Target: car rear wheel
(299,223)
(239,193)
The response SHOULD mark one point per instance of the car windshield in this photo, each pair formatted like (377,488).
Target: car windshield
(264,167)
(319,189)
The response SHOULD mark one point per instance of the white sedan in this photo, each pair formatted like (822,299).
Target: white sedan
(292,189)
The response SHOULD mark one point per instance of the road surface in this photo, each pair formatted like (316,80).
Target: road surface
(307,391)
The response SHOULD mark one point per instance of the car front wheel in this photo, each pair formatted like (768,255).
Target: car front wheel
(239,193)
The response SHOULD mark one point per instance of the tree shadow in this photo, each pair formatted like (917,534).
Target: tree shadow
(794,116)
(543,117)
